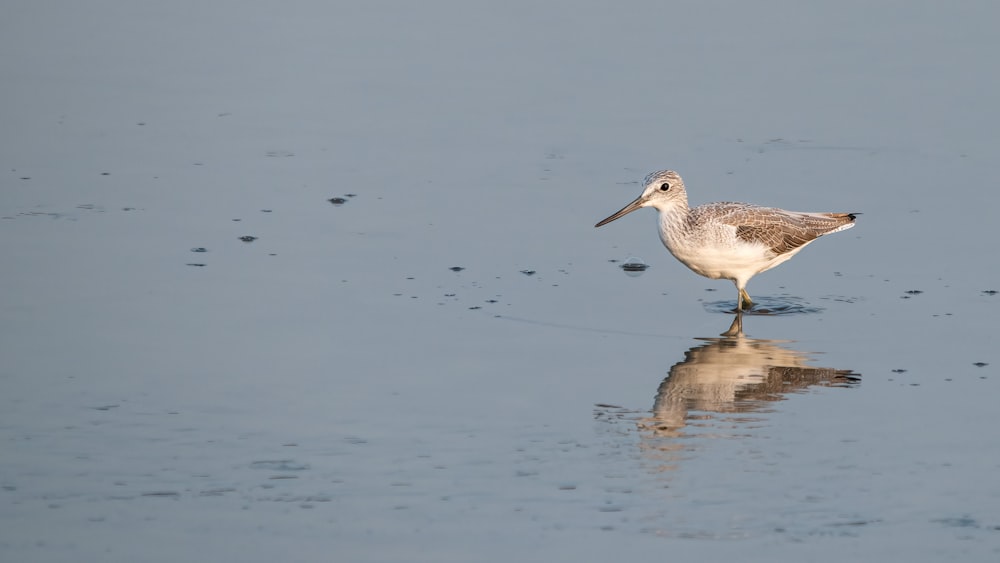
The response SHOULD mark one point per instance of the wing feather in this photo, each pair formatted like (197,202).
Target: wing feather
(781,231)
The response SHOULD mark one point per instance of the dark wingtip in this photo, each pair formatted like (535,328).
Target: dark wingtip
(853,215)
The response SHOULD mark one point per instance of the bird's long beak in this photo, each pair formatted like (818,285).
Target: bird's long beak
(637,204)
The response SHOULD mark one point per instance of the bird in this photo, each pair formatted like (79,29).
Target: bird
(728,240)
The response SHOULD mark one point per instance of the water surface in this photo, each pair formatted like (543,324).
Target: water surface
(311,282)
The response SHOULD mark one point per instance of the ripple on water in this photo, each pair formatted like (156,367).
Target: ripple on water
(777,305)
(279,465)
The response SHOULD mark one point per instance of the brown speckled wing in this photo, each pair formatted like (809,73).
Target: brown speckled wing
(782,231)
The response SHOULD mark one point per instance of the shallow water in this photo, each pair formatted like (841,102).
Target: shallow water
(317,283)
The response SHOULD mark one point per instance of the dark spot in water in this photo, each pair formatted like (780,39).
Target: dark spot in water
(216,492)
(476,307)
(914,292)
(167,494)
(128,209)
(105,408)
(25,177)
(634,266)
(141,123)
(449,294)
(899,370)
(960,522)
(248,238)
(337,201)
(237,219)
(196,264)
(528,272)
(456,268)
(491,300)
(265,210)
(350,195)
(980,364)
(990,292)
(855,523)
(105,173)
(199,249)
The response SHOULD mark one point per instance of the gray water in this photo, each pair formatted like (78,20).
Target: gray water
(447,363)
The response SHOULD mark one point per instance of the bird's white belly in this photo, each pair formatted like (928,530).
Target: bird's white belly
(738,260)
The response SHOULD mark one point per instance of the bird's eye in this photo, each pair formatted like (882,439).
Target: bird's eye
(664,187)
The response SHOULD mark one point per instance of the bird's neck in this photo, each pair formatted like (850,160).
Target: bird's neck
(674,222)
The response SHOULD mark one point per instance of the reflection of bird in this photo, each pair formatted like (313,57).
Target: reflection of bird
(734,241)
(734,375)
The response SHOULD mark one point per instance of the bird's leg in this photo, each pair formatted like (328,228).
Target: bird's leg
(744,303)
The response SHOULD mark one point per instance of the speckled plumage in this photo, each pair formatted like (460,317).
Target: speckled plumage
(729,240)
